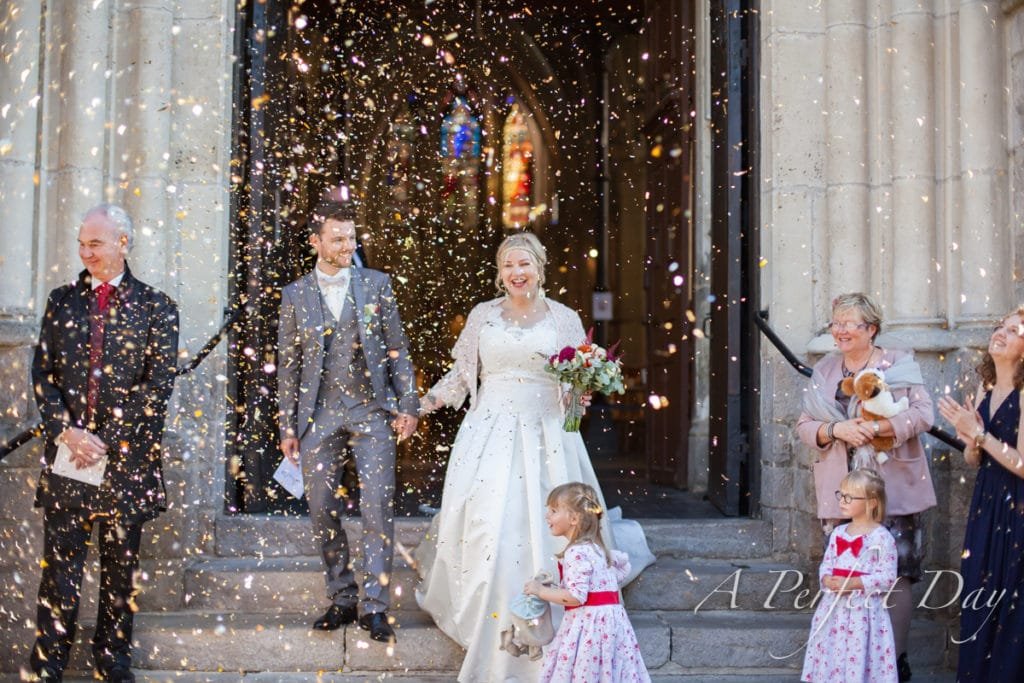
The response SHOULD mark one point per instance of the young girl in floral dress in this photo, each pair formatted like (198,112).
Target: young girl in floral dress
(851,636)
(595,642)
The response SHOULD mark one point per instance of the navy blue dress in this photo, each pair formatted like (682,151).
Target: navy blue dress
(993,557)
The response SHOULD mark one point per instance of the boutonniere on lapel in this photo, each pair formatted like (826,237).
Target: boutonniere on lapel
(370,312)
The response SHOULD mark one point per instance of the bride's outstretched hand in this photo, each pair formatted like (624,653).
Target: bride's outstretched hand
(428,404)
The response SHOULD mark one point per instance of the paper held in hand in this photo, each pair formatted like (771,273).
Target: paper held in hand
(62,465)
(289,475)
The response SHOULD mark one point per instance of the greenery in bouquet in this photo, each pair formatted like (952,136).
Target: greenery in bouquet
(586,368)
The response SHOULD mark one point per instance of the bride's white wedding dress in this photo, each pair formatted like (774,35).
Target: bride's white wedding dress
(490,536)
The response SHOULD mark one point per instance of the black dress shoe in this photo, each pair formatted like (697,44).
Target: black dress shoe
(378,626)
(335,617)
(903,669)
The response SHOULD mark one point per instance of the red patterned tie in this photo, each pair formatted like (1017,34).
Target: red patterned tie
(103,293)
(97,328)
(854,546)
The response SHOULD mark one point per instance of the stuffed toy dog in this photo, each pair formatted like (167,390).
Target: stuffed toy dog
(876,403)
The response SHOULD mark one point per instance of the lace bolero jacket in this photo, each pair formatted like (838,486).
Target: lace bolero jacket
(462,379)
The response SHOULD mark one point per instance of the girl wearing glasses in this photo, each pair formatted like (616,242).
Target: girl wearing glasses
(831,425)
(992,563)
(851,636)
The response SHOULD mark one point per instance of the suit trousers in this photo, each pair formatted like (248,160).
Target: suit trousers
(365,430)
(66,537)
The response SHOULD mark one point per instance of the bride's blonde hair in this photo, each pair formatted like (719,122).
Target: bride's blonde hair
(582,500)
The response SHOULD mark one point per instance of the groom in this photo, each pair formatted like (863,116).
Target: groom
(345,379)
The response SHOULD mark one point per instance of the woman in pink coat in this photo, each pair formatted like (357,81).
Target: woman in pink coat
(832,426)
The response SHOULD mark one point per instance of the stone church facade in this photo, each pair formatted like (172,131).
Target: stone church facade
(890,156)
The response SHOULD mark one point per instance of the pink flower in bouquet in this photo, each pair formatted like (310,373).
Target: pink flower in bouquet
(586,368)
(568,353)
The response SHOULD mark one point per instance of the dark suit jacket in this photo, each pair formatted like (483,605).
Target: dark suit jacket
(139,359)
(300,348)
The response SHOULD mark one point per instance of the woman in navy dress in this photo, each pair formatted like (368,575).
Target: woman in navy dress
(992,610)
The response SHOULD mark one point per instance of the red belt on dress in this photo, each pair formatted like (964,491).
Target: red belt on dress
(597,599)
(839,571)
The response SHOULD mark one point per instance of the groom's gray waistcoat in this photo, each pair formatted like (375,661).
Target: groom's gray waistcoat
(345,377)
(372,321)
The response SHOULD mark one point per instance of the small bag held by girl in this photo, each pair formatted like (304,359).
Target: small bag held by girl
(595,642)
(531,626)
(851,636)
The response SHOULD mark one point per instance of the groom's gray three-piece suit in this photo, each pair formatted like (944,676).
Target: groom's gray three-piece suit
(339,383)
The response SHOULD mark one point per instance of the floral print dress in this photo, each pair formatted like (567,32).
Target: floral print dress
(851,636)
(594,644)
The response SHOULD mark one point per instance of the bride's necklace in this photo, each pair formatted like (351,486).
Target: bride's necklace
(848,373)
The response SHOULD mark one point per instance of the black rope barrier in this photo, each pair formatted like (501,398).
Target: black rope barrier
(27,435)
(761,320)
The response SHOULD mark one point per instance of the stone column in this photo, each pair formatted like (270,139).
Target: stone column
(984,236)
(74,141)
(846,164)
(911,277)
(141,143)
(20,32)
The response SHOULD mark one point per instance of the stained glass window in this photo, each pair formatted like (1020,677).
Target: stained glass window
(460,161)
(517,170)
(401,144)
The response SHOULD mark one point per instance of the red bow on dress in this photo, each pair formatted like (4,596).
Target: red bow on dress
(854,546)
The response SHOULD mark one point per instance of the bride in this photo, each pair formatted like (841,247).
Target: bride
(490,535)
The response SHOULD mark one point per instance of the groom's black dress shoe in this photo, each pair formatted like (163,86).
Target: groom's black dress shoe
(378,626)
(335,617)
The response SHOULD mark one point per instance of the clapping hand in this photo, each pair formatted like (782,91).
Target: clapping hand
(964,418)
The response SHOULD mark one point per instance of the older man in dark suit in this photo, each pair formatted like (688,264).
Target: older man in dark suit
(103,373)
(345,379)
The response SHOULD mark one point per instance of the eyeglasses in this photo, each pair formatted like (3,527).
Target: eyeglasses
(847,498)
(836,326)
(1010,330)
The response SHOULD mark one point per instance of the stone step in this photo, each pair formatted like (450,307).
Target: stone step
(674,583)
(279,584)
(296,584)
(671,642)
(710,676)
(288,536)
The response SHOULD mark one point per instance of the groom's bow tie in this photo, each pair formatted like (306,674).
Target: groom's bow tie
(339,280)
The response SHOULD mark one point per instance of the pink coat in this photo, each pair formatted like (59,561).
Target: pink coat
(908,481)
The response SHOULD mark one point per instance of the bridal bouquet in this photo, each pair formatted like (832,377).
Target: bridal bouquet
(586,368)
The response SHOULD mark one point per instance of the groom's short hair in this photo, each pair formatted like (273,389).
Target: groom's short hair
(330,211)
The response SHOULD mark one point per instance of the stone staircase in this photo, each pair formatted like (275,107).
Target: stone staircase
(244,612)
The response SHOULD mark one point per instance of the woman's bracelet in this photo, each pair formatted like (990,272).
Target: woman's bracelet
(829,431)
